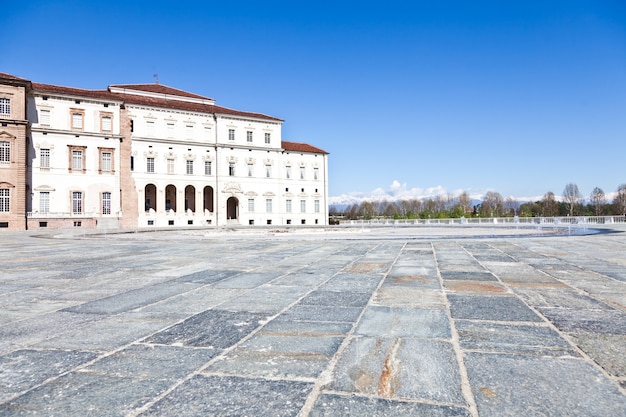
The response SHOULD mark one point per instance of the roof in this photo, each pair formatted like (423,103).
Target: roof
(301,147)
(199,105)
(11,77)
(158,89)
(71,91)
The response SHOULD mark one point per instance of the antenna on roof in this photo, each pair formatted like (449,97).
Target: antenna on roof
(156,78)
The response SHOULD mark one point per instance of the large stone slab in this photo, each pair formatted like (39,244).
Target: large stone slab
(333,405)
(399,368)
(495,337)
(404,322)
(496,308)
(25,369)
(213,328)
(233,396)
(508,385)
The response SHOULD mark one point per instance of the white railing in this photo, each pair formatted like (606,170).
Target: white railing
(507,221)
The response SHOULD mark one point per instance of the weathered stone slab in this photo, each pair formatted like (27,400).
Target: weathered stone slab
(399,368)
(567,298)
(208,276)
(609,351)
(25,369)
(474,287)
(269,299)
(233,396)
(496,308)
(404,322)
(323,313)
(509,385)
(352,282)
(401,296)
(494,337)
(587,321)
(130,300)
(324,345)
(336,298)
(286,327)
(271,364)
(109,333)
(468,275)
(247,280)
(213,328)
(333,405)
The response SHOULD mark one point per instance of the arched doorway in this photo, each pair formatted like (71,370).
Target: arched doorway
(170,198)
(208,199)
(190,198)
(232,208)
(150,197)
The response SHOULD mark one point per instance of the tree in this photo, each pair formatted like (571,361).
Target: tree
(492,205)
(549,206)
(620,199)
(598,200)
(571,196)
(465,202)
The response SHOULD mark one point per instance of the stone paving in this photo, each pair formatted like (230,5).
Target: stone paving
(386,322)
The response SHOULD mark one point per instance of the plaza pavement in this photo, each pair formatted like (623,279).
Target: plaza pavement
(385,321)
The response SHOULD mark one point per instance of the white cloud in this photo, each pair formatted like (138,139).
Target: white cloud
(395,191)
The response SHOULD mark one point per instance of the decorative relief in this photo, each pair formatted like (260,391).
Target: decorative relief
(231,159)
(250,161)
(150,154)
(232,187)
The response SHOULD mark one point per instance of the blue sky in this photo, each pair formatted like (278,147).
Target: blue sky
(411,98)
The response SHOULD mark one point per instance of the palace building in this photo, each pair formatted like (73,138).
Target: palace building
(148,155)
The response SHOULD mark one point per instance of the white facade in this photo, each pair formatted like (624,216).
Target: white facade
(152,156)
(74,161)
(200,168)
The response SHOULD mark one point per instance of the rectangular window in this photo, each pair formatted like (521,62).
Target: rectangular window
(316,173)
(317,206)
(170,166)
(106,203)
(302,206)
(106,159)
(288,206)
(44,202)
(4,200)
(208,167)
(44,117)
(77,160)
(189,131)
(77,202)
(249,136)
(268,137)
(77,120)
(302,172)
(268,171)
(189,167)
(150,165)
(251,205)
(250,170)
(150,127)
(231,169)
(44,158)
(231,134)
(268,205)
(288,172)
(170,129)
(5,152)
(5,108)
(106,123)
